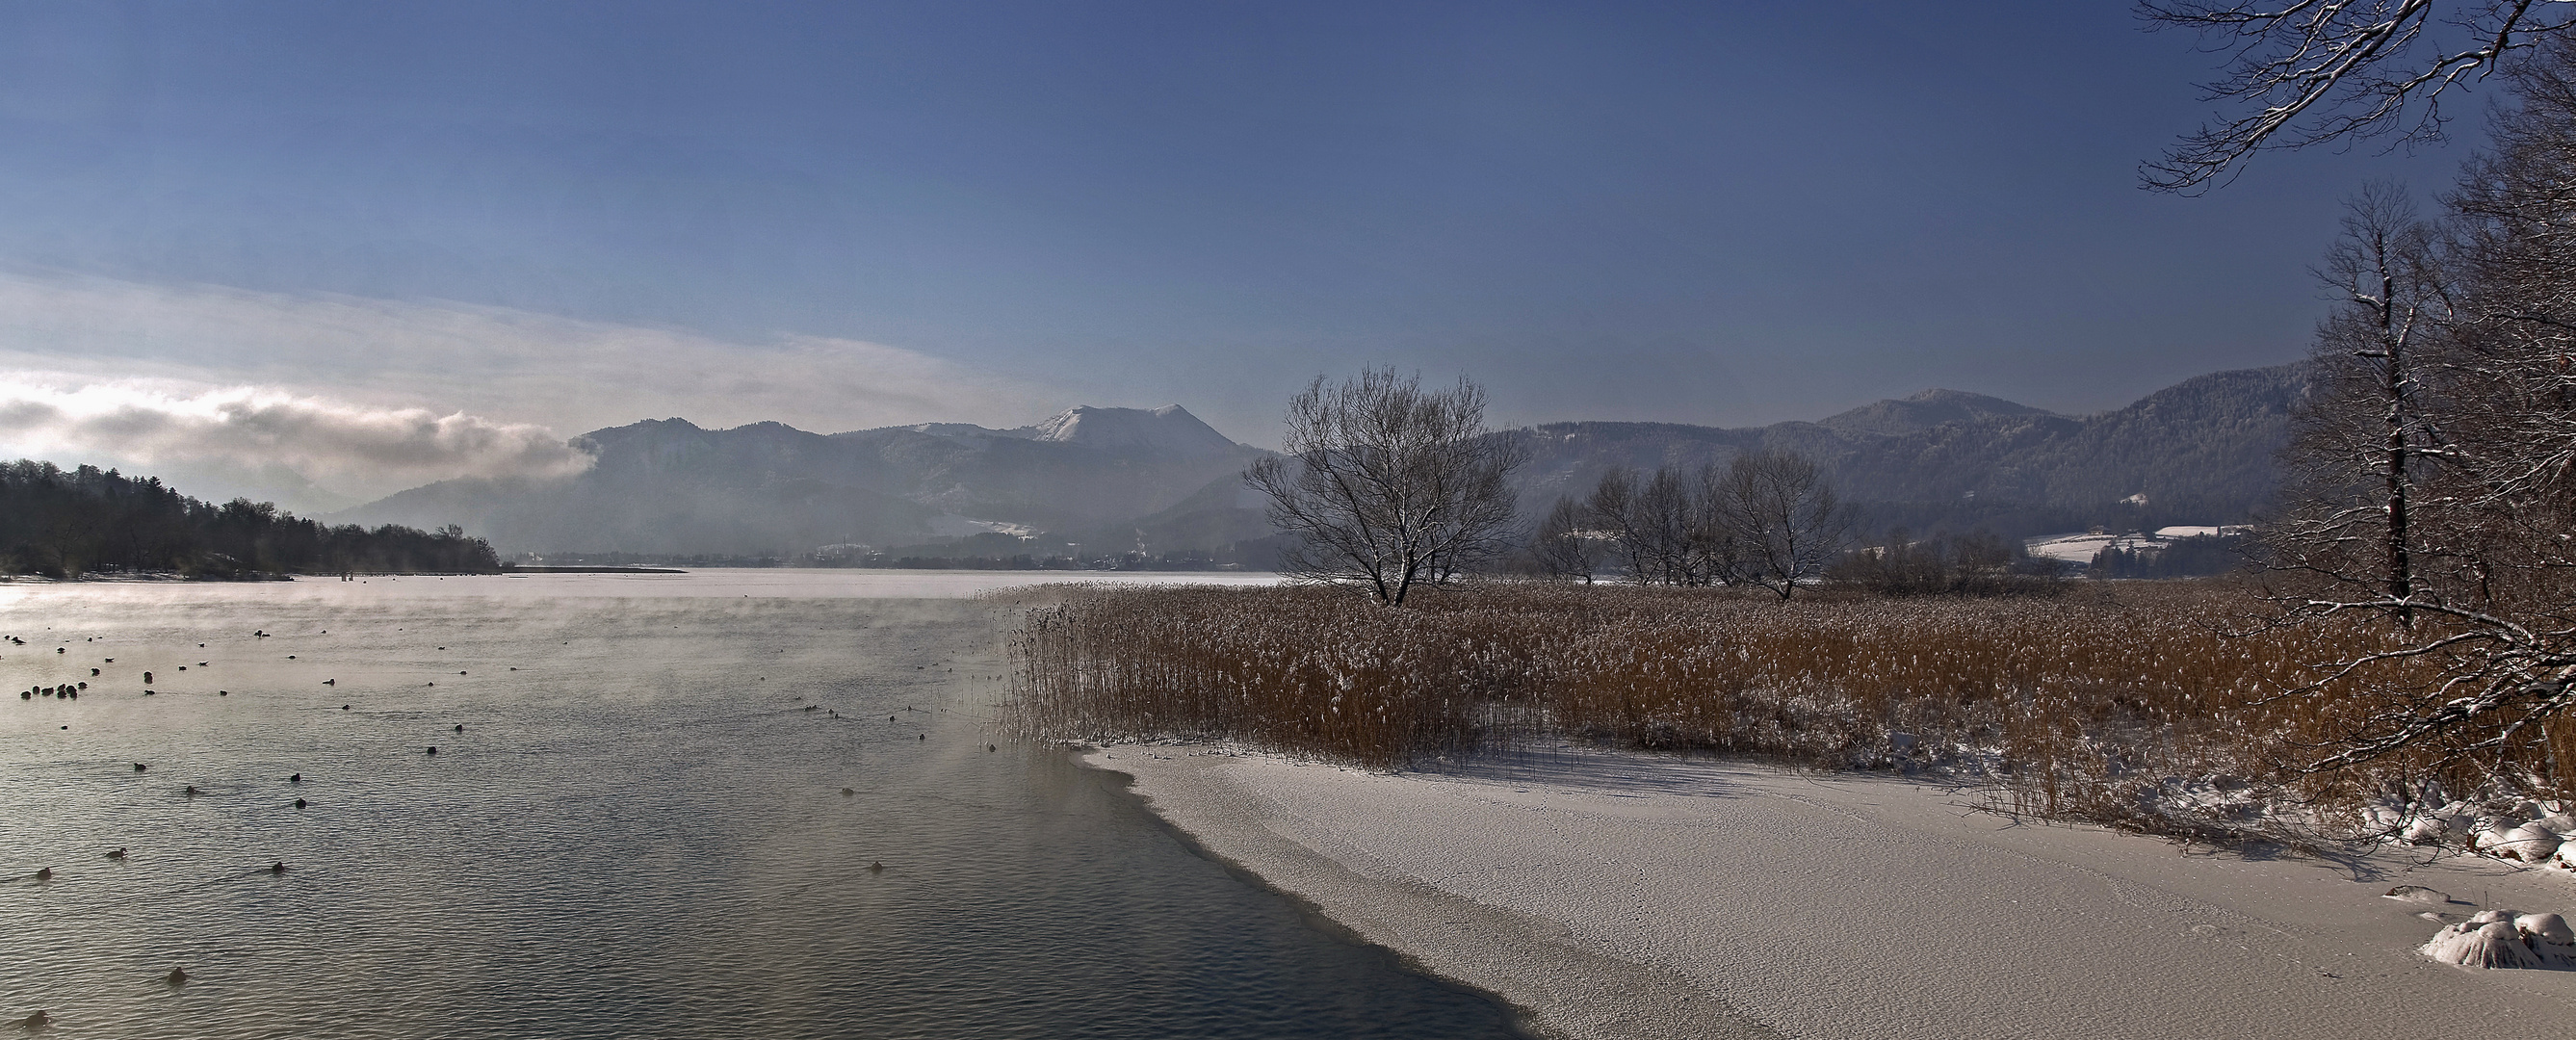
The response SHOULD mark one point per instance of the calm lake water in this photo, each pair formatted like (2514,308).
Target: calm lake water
(642,829)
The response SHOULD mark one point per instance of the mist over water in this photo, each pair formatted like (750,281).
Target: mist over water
(641,830)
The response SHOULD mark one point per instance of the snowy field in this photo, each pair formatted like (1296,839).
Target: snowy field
(2080,548)
(1627,895)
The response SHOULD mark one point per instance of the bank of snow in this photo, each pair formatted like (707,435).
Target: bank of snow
(1618,895)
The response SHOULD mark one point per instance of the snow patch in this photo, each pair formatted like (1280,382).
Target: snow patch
(951,525)
(2080,549)
(2504,939)
(2188,531)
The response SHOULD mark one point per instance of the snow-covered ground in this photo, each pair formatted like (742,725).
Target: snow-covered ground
(2200,532)
(951,525)
(1615,895)
(2080,548)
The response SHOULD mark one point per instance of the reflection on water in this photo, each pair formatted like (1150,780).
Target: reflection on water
(665,821)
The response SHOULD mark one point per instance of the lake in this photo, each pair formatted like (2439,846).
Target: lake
(725,803)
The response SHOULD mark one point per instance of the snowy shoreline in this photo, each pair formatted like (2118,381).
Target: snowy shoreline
(1628,895)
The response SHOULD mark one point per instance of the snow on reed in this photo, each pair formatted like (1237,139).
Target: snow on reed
(2133,708)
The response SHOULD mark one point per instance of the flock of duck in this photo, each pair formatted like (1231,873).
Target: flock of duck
(73,689)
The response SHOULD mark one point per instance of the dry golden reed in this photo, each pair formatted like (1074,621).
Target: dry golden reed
(2104,703)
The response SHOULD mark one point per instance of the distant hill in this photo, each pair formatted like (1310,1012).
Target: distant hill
(67,523)
(2199,452)
(669,486)
(1221,515)
(1097,480)
(1922,412)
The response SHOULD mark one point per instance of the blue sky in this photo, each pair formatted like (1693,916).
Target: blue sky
(848,215)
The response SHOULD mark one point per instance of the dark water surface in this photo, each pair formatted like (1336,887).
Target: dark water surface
(640,832)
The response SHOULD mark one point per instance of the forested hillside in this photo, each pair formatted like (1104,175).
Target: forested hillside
(62,523)
(2201,451)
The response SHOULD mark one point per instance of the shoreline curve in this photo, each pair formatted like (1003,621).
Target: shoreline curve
(1612,895)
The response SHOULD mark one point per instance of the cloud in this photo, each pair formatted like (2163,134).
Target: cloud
(515,366)
(328,442)
(327,400)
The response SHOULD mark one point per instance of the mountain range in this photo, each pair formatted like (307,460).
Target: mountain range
(2202,451)
(1113,479)
(667,486)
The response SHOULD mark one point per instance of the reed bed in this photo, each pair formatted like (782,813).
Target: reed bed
(2138,707)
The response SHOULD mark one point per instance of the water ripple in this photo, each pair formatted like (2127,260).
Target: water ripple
(640,831)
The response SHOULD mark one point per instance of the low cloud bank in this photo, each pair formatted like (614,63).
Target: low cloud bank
(329,442)
(570,375)
(324,401)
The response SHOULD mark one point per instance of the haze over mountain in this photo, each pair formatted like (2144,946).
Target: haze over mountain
(668,486)
(1160,480)
(1923,411)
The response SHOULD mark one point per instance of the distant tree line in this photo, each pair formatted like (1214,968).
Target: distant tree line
(2014,520)
(67,523)
(1766,519)
(2181,558)
(636,559)
(1389,486)
(998,551)
(1978,563)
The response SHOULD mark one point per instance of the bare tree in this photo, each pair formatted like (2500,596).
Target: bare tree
(1665,530)
(1784,518)
(2435,471)
(2367,436)
(2313,71)
(1666,525)
(2434,475)
(1389,484)
(1614,507)
(1715,543)
(1977,563)
(1565,545)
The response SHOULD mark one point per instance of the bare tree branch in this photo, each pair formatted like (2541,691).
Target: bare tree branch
(2307,72)
(2432,470)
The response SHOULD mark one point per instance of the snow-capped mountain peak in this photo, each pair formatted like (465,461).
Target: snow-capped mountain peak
(1169,430)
